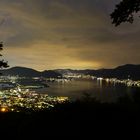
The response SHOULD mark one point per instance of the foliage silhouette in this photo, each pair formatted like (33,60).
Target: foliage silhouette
(3,64)
(80,118)
(124,11)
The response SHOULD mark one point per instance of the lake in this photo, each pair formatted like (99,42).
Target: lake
(101,90)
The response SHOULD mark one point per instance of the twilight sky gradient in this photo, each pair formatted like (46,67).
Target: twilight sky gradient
(78,34)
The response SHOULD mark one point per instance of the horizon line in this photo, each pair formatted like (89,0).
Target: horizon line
(68,68)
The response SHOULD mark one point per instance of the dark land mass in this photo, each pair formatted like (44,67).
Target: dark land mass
(85,118)
(28,72)
(121,72)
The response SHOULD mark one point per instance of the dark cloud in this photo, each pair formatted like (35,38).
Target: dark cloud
(66,34)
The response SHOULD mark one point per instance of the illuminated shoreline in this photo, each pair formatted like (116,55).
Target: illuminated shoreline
(18,99)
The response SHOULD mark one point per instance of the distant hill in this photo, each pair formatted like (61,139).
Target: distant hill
(50,74)
(133,71)
(121,72)
(28,72)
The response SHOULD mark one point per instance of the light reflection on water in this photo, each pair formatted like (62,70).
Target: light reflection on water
(101,90)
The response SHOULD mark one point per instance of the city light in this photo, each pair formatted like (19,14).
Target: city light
(18,98)
(100,78)
(3,109)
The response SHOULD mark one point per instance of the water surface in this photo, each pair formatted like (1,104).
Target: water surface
(101,90)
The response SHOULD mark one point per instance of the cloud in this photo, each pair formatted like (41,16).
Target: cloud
(66,34)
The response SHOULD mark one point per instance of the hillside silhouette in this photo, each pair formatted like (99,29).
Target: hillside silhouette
(28,72)
(86,117)
(121,72)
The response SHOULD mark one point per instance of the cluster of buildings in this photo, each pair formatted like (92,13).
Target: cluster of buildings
(127,82)
(18,99)
(14,97)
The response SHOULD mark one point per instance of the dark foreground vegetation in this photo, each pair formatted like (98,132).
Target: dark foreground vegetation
(86,117)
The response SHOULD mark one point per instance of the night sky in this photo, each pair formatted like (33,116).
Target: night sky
(77,34)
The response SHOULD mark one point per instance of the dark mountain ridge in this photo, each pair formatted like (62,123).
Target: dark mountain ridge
(121,72)
(28,72)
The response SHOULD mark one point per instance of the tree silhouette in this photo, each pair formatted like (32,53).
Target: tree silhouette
(3,64)
(124,11)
